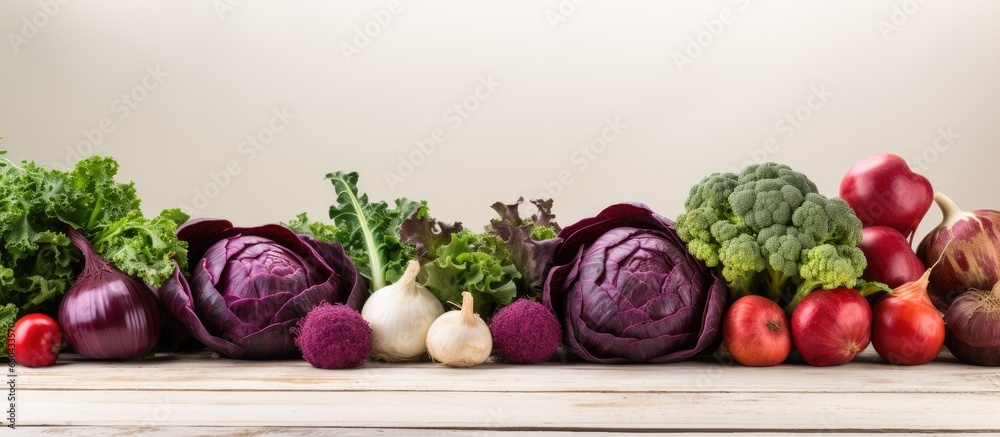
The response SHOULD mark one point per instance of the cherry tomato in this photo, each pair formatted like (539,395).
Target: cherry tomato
(36,340)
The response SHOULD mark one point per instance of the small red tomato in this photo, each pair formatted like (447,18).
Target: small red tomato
(36,341)
(756,333)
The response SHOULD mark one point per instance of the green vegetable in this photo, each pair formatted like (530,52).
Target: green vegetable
(369,231)
(530,241)
(8,315)
(770,232)
(38,263)
(321,231)
(475,262)
(509,259)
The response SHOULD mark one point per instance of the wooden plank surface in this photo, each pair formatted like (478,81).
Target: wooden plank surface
(202,372)
(75,431)
(700,396)
(519,411)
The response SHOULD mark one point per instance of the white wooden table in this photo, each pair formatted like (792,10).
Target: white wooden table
(201,395)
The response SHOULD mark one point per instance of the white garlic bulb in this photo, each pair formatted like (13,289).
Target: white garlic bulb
(399,315)
(460,338)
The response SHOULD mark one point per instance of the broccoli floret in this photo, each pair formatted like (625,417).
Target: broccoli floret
(766,202)
(827,266)
(741,260)
(828,220)
(782,248)
(768,231)
(706,205)
(771,170)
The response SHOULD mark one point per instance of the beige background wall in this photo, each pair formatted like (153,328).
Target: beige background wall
(689,88)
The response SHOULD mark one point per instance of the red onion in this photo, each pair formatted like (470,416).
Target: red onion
(973,322)
(831,327)
(972,261)
(107,314)
(907,329)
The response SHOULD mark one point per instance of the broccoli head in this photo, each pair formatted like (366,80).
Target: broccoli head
(768,231)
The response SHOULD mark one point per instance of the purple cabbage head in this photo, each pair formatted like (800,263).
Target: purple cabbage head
(250,286)
(626,289)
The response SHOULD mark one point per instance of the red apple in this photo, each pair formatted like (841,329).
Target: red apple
(883,191)
(756,332)
(891,261)
(831,327)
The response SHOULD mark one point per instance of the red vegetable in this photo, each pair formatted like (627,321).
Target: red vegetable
(107,314)
(907,329)
(973,322)
(972,260)
(831,327)
(756,332)
(36,341)
(891,261)
(883,190)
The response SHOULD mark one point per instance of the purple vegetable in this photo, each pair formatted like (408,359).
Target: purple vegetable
(525,332)
(250,286)
(334,337)
(626,290)
(107,314)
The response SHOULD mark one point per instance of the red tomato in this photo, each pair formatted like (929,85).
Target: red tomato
(756,333)
(36,340)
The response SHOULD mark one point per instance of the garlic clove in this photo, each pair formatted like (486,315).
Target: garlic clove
(460,338)
(400,315)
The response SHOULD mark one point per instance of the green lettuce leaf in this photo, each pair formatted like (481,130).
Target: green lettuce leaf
(427,234)
(531,242)
(477,263)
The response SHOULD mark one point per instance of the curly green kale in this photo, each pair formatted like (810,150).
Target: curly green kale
(768,231)
(368,231)
(37,261)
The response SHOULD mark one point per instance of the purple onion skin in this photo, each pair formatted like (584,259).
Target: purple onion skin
(973,334)
(107,314)
(978,356)
(972,260)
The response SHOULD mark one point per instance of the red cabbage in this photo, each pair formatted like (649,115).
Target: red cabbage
(250,286)
(626,290)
